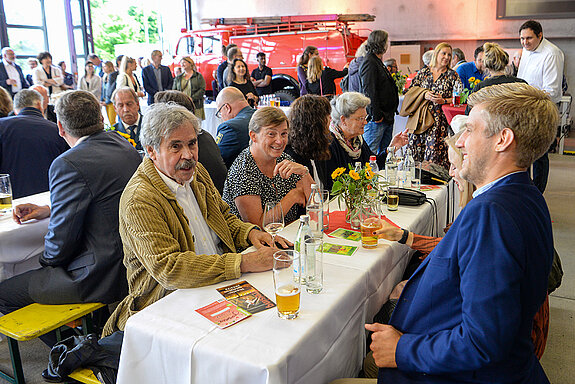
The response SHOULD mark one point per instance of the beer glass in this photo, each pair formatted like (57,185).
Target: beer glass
(5,194)
(287,287)
(370,222)
(416,181)
(392,198)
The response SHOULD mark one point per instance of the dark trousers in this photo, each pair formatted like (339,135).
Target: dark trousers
(541,172)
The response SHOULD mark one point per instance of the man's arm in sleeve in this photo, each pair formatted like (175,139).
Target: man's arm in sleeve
(168,73)
(146,233)
(369,84)
(70,199)
(490,274)
(553,76)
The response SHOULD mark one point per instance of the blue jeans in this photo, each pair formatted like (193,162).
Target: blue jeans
(378,136)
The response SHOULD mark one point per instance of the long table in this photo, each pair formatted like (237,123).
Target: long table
(22,245)
(168,342)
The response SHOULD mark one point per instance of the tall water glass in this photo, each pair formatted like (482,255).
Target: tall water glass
(325,199)
(5,194)
(416,181)
(314,265)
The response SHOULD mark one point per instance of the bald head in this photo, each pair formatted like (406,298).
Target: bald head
(231,101)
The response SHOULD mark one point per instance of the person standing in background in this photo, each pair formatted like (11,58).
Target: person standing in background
(262,76)
(541,66)
(156,77)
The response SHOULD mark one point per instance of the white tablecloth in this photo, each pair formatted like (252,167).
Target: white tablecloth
(22,245)
(168,342)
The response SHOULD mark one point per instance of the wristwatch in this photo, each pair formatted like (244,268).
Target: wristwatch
(403,239)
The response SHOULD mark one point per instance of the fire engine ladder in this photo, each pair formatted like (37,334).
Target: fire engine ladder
(274,20)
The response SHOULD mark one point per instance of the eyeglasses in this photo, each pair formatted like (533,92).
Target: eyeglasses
(361,119)
(219,111)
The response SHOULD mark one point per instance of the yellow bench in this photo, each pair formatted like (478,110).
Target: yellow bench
(36,320)
(84,375)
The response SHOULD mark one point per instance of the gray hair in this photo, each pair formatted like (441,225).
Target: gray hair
(457,52)
(426,58)
(79,113)
(361,50)
(161,120)
(389,62)
(122,90)
(27,98)
(6,49)
(346,104)
(377,42)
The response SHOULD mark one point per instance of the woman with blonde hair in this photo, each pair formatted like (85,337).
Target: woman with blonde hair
(127,77)
(192,83)
(440,80)
(309,52)
(320,79)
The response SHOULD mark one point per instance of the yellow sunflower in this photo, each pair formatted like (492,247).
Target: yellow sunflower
(354,175)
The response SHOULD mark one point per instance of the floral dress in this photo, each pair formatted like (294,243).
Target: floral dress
(430,145)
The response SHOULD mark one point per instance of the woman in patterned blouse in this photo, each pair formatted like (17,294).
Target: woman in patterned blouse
(263,173)
(440,80)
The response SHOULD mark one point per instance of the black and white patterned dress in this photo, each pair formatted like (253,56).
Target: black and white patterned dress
(245,178)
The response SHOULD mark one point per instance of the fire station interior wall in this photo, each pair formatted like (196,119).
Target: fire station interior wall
(462,23)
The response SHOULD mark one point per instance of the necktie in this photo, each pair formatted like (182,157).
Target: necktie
(132,130)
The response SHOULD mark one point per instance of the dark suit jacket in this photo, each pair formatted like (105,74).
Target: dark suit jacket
(28,145)
(467,311)
(112,77)
(377,84)
(150,83)
(232,135)
(4,77)
(135,135)
(83,257)
(210,157)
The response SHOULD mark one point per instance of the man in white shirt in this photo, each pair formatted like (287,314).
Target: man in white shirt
(11,76)
(542,67)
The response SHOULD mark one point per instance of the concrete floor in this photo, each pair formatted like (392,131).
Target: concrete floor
(559,358)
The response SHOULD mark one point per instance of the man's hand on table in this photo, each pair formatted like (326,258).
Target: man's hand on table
(25,212)
(261,239)
(258,261)
(383,344)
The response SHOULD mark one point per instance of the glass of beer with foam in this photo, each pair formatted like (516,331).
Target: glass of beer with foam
(287,287)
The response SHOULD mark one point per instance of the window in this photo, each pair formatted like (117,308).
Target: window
(185,46)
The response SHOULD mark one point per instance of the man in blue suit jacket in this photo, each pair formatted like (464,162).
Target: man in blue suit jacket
(232,135)
(11,76)
(83,256)
(466,314)
(157,77)
(28,145)
(127,106)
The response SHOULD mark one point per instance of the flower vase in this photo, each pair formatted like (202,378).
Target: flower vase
(352,214)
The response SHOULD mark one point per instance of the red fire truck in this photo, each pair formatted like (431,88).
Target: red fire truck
(281,38)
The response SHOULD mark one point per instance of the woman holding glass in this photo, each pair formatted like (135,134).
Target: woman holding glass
(440,80)
(193,84)
(263,173)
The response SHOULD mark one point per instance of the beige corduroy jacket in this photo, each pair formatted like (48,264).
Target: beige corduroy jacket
(158,244)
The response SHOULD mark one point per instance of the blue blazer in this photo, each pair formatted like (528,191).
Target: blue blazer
(28,145)
(232,136)
(467,311)
(135,135)
(4,77)
(83,257)
(151,84)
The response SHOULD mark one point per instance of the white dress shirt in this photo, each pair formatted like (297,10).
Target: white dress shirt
(206,242)
(13,75)
(543,69)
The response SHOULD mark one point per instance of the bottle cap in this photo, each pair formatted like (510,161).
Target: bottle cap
(313,186)
(304,218)
(372,158)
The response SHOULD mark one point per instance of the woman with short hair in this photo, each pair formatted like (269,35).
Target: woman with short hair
(348,118)
(48,75)
(90,81)
(263,173)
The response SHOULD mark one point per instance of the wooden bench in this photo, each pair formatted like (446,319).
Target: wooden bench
(36,320)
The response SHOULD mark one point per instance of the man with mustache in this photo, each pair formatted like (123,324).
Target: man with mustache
(176,229)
